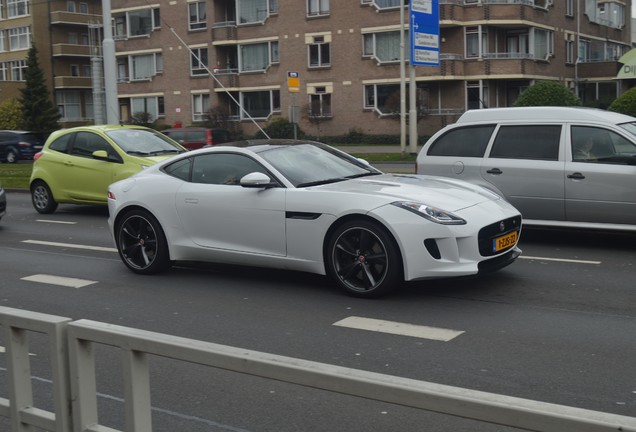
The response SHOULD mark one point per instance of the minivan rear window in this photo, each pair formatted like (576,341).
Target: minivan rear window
(538,142)
(470,141)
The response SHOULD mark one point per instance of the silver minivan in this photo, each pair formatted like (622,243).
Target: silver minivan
(560,166)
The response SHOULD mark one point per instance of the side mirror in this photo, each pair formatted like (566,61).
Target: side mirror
(257,180)
(100,155)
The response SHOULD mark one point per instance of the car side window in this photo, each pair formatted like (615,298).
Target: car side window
(598,145)
(468,141)
(86,143)
(223,168)
(180,169)
(62,143)
(537,142)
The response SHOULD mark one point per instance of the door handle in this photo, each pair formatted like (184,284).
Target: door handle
(496,171)
(191,201)
(576,176)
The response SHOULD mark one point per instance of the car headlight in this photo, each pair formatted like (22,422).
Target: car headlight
(431,213)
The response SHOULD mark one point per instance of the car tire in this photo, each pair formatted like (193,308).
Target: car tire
(42,198)
(11,156)
(363,258)
(141,243)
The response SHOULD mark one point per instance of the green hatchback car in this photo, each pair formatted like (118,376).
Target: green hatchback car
(76,165)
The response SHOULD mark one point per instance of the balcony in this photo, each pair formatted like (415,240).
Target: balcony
(228,78)
(73,18)
(70,50)
(61,82)
(224,31)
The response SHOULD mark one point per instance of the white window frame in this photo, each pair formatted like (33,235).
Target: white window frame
(83,8)
(196,56)
(157,66)
(273,56)
(71,6)
(199,23)
(318,42)
(316,8)
(4,71)
(370,46)
(20,39)
(157,110)
(18,68)
(201,104)
(17,8)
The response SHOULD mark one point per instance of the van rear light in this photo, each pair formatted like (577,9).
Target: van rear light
(208,137)
(37,156)
(24,144)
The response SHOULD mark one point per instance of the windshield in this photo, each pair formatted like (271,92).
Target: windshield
(310,165)
(629,127)
(143,142)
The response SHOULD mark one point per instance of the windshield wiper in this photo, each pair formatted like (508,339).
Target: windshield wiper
(322,182)
(157,152)
(366,174)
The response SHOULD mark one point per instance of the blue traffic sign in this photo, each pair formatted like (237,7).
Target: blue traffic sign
(424,32)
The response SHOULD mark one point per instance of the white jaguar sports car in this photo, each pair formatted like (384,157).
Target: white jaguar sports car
(305,206)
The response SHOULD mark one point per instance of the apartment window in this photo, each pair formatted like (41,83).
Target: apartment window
(255,11)
(384,98)
(476,42)
(83,8)
(317,7)
(260,104)
(320,103)
(386,4)
(86,70)
(569,52)
(197,17)
(199,61)
(84,39)
(16,8)
(69,104)
(200,106)
(584,50)
(18,70)
(4,71)
(543,43)
(384,46)
(122,70)
(72,38)
(89,111)
(71,6)
(19,38)
(75,70)
(136,23)
(569,8)
(152,105)
(2,43)
(145,66)
(258,57)
(319,52)
(476,95)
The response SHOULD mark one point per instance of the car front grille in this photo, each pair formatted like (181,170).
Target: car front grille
(490,233)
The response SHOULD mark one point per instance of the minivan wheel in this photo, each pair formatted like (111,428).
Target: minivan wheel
(42,198)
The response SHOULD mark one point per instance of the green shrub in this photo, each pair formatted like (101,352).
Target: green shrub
(280,127)
(547,93)
(11,115)
(626,103)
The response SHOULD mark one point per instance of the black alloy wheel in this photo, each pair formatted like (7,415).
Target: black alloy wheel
(363,258)
(42,198)
(141,243)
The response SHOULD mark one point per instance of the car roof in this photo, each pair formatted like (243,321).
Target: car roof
(544,113)
(262,144)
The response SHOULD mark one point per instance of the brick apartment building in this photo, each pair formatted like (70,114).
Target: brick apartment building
(345,52)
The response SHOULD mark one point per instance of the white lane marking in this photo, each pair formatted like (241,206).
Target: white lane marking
(54,221)
(397,328)
(59,280)
(561,260)
(70,245)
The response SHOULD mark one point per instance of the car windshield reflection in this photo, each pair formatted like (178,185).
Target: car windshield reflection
(311,165)
(143,142)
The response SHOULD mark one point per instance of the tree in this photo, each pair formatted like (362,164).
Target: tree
(38,112)
(11,115)
(625,103)
(547,93)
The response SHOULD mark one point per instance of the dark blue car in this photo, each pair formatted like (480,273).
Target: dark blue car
(19,145)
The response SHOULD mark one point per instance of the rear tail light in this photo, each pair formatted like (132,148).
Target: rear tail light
(24,144)
(37,156)
(111,196)
(208,138)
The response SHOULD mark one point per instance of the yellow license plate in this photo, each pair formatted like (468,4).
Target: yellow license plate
(504,242)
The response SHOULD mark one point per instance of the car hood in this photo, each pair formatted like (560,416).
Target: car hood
(449,194)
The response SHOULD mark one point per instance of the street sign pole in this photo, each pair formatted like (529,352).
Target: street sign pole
(424,51)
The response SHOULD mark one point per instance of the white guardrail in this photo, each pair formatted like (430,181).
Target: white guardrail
(75,393)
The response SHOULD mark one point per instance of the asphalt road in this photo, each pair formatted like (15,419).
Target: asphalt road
(557,326)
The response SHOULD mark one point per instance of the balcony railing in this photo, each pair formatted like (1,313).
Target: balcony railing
(72,82)
(64,17)
(71,50)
